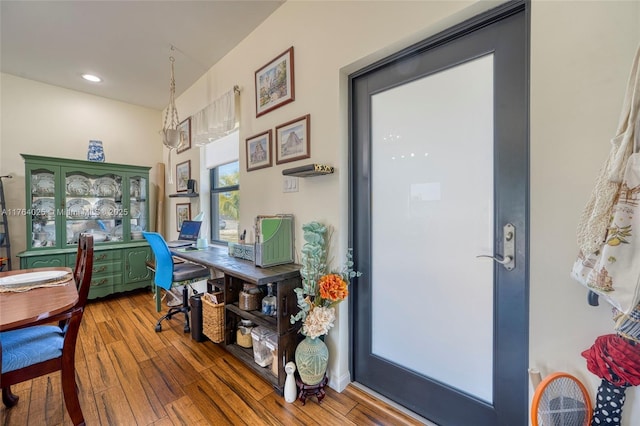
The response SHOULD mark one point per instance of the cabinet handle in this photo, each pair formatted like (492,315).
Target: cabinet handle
(103,256)
(100,269)
(283,303)
(102,281)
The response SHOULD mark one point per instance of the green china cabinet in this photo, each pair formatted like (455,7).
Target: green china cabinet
(65,198)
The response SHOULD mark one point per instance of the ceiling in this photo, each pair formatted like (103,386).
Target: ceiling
(126,43)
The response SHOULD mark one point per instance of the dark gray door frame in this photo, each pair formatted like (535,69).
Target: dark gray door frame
(510,396)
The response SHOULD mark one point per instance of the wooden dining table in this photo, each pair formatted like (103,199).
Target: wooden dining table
(19,309)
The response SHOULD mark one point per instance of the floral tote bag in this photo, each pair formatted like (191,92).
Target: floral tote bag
(613,272)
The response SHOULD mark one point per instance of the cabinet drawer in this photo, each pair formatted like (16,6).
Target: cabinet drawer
(106,281)
(107,255)
(98,256)
(107,268)
(103,285)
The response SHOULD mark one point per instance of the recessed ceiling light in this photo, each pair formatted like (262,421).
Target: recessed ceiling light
(92,78)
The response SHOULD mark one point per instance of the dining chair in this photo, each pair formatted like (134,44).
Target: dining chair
(168,274)
(39,349)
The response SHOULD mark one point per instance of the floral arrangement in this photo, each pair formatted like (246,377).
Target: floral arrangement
(321,290)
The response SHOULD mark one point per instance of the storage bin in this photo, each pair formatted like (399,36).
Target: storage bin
(261,353)
(250,298)
(242,251)
(243,334)
(213,317)
(272,344)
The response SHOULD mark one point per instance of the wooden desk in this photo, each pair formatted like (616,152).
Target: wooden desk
(238,272)
(218,258)
(21,309)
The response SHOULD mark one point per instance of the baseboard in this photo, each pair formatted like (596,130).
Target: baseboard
(339,383)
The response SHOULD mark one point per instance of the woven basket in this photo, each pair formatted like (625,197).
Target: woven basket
(213,319)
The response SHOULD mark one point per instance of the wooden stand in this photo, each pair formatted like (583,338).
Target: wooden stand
(311,390)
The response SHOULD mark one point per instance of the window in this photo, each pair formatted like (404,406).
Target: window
(225,202)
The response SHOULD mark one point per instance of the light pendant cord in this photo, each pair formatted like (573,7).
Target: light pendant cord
(170,135)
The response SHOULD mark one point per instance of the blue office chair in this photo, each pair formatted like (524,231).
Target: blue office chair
(167,274)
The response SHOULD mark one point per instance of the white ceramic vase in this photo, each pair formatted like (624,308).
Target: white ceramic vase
(290,388)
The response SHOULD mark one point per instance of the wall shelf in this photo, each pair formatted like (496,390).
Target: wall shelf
(309,170)
(185,195)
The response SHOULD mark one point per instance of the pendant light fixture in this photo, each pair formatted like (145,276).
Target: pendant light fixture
(172,137)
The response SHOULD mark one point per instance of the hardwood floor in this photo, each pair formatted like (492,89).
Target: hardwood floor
(127,374)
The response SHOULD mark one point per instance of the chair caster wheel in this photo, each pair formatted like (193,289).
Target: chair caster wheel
(187,329)
(158,328)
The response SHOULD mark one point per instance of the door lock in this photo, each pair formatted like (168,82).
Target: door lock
(508,260)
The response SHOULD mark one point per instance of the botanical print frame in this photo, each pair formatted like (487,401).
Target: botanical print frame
(258,149)
(185,127)
(275,83)
(183,174)
(293,140)
(183,212)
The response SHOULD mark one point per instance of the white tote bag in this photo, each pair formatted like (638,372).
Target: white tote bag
(596,215)
(613,272)
(609,229)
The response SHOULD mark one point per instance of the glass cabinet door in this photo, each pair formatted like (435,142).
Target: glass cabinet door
(138,215)
(42,214)
(93,204)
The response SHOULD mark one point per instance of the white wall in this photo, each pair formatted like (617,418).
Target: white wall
(329,39)
(41,119)
(581,55)
(580,58)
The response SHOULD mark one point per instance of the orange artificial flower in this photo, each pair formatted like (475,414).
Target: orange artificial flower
(333,287)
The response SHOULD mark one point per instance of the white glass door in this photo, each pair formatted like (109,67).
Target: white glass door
(432,213)
(439,177)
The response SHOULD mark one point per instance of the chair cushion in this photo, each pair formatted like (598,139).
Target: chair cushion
(31,345)
(188,271)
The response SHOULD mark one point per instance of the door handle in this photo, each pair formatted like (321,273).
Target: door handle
(504,261)
(508,260)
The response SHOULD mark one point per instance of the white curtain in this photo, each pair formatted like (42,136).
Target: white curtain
(217,120)
(224,151)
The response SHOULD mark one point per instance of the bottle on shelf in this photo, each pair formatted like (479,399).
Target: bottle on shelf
(269,306)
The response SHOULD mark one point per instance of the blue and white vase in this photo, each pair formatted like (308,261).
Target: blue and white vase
(96,152)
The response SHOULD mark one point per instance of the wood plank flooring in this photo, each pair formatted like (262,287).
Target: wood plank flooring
(127,374)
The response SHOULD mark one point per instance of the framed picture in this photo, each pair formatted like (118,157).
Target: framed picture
(275,83)
(259,151)
(183,212)
(183,174)
(293,140)
(185,130)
